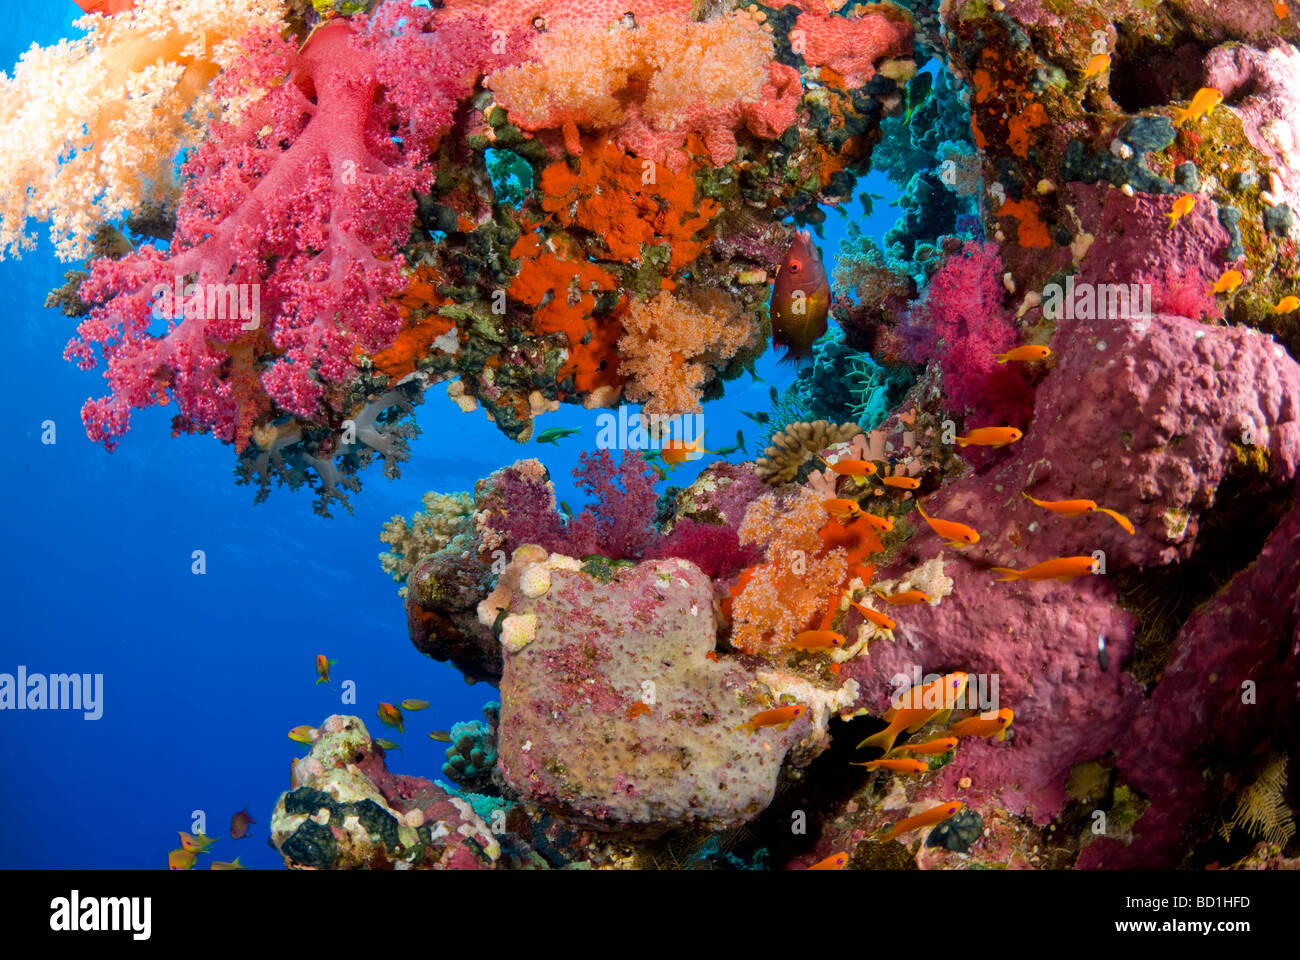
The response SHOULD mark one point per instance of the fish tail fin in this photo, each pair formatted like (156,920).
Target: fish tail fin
(962,441)
(1181,115)
(320,680)
(1000,357)
(1011,574)
(883,740)
(1002,734)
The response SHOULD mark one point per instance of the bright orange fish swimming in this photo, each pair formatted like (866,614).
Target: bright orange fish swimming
(1062,568)
(1068,508)
(883,524)
(902,483)
(637,709)
(957,534)
(780,718)
(933,815)
(841,507)
(181,859)
(990,437)
(985,725)
(1281,10)
(1181,208)
(675,452)
(1024,354)
(817,640)
(858,469)
(898,765)
(906,598)
(919,706)
(1202,105)
(195,843)
(1288,304)
(1228,281)
(801,298)
(391,716)
(836,861)
(323,668)
(1098,64)
(875,616)
(1119,518)
(942,745)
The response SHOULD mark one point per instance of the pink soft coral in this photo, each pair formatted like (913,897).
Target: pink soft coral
(961,323)
(852,46)
(304,194)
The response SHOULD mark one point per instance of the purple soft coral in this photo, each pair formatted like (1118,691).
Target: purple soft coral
(961,323)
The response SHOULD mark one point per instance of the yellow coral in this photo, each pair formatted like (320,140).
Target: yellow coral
(671,344)
(427,532)
(92,126)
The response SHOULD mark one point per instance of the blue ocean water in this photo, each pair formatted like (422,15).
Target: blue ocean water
(203,675)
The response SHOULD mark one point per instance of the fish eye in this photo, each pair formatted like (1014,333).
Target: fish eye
(794,267)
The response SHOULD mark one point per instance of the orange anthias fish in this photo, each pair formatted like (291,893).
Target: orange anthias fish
(957,534)
(1287,305)
(239,824)
(898,765)
(906,598)
(675,452)
(858,469)
(942,745)
(1281,10)
(1062,568)
(883,524)
(323,668)
(933,815)
(391,716)
(1181,208)
(990,437)
(841,507)
(801,298)
(1024,354)
(1228,281)
(920,705)
(1068,508)
(195,843)
(836,861)
(637,709)
(874,616)
(1202,105)
(1119,518)
(817,640)
(780,718)
(1098,64)
(181,859)
(985,725)
(902,483)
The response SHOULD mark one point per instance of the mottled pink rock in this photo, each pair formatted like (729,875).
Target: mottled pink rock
(566,741)
(1139,416)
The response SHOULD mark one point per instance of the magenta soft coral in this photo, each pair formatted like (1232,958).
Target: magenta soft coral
(306,195)
(961,323)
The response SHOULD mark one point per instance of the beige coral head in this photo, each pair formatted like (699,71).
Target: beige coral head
(796,444)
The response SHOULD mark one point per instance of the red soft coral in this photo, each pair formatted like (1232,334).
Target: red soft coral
(961,323)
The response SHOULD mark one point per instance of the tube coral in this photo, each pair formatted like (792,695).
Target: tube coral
(92,126)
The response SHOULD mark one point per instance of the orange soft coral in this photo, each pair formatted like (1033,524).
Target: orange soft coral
(418,304)
(609,197)
(789,590)
(672,344)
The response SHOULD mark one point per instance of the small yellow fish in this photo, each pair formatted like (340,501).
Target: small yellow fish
(304,733)
(391,716)
(181,859)
(323,665)
(1287,305)
(1024,354)
(1119,518)
(195,843)
(227,865)
(1182,206)
(415,704)
(1228,281)
(1202,105)
(1098,64)
(386,745)
(442,736)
